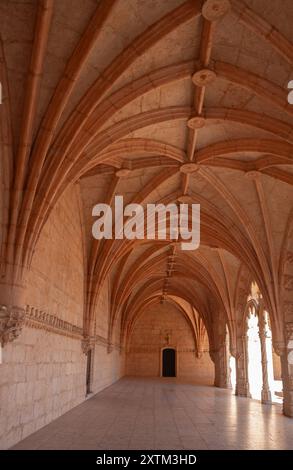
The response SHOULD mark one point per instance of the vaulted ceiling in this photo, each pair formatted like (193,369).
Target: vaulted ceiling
(158,101)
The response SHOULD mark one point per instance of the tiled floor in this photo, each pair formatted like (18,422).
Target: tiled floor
(154,413)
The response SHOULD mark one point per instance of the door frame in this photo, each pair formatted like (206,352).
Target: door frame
(176,360)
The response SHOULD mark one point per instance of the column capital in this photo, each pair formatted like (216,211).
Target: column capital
(87,344)
(279,347)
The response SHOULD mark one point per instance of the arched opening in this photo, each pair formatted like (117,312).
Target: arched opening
(273,364)
(264,371)
(232,365)
(169,362)
(231,361)
(254,355)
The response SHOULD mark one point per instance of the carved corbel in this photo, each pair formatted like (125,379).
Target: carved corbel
(199,354)
(11,323)
(87,344)
(279,347)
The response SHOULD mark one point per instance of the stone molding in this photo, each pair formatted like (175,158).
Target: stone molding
(11,323)
(36,318)
(13,319)
(156,349)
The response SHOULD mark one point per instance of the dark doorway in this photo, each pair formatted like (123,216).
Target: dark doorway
(169,362)
(89,372)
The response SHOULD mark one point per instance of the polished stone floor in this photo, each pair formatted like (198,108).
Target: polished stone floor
(158,413)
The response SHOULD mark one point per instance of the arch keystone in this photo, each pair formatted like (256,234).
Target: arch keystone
(214,10)
(189,168)
(204,77)
(196,122)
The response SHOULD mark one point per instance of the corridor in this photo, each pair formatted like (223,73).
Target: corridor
(153,413)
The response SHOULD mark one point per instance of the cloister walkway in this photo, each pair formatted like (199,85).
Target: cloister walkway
(153,413)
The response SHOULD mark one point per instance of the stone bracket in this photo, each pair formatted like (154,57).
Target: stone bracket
(87,344)
(11,323)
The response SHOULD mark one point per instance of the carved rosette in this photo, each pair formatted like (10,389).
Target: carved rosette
(11,322)
(214,10)
(87,344)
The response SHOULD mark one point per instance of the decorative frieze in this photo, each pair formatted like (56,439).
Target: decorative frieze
(149,349)
(13,319)
(36,318)
(11,323)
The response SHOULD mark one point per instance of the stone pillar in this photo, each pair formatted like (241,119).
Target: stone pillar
(222,369)
(286,355)
(88,348)
(242,384)
(227,352)
(215,358)
(266,396)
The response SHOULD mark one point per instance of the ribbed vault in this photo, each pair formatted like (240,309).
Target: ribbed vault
(120,110)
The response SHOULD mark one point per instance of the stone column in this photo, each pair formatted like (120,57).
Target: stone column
(88,348)
(242,384)
(227,357)
(266,396)
(222,370)
(216,360)
(286,355)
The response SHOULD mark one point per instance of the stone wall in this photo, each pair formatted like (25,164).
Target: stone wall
(149,337)
(43,372)
(56,278)
(107,367)
(277,367)
(41,377)
(109,363)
